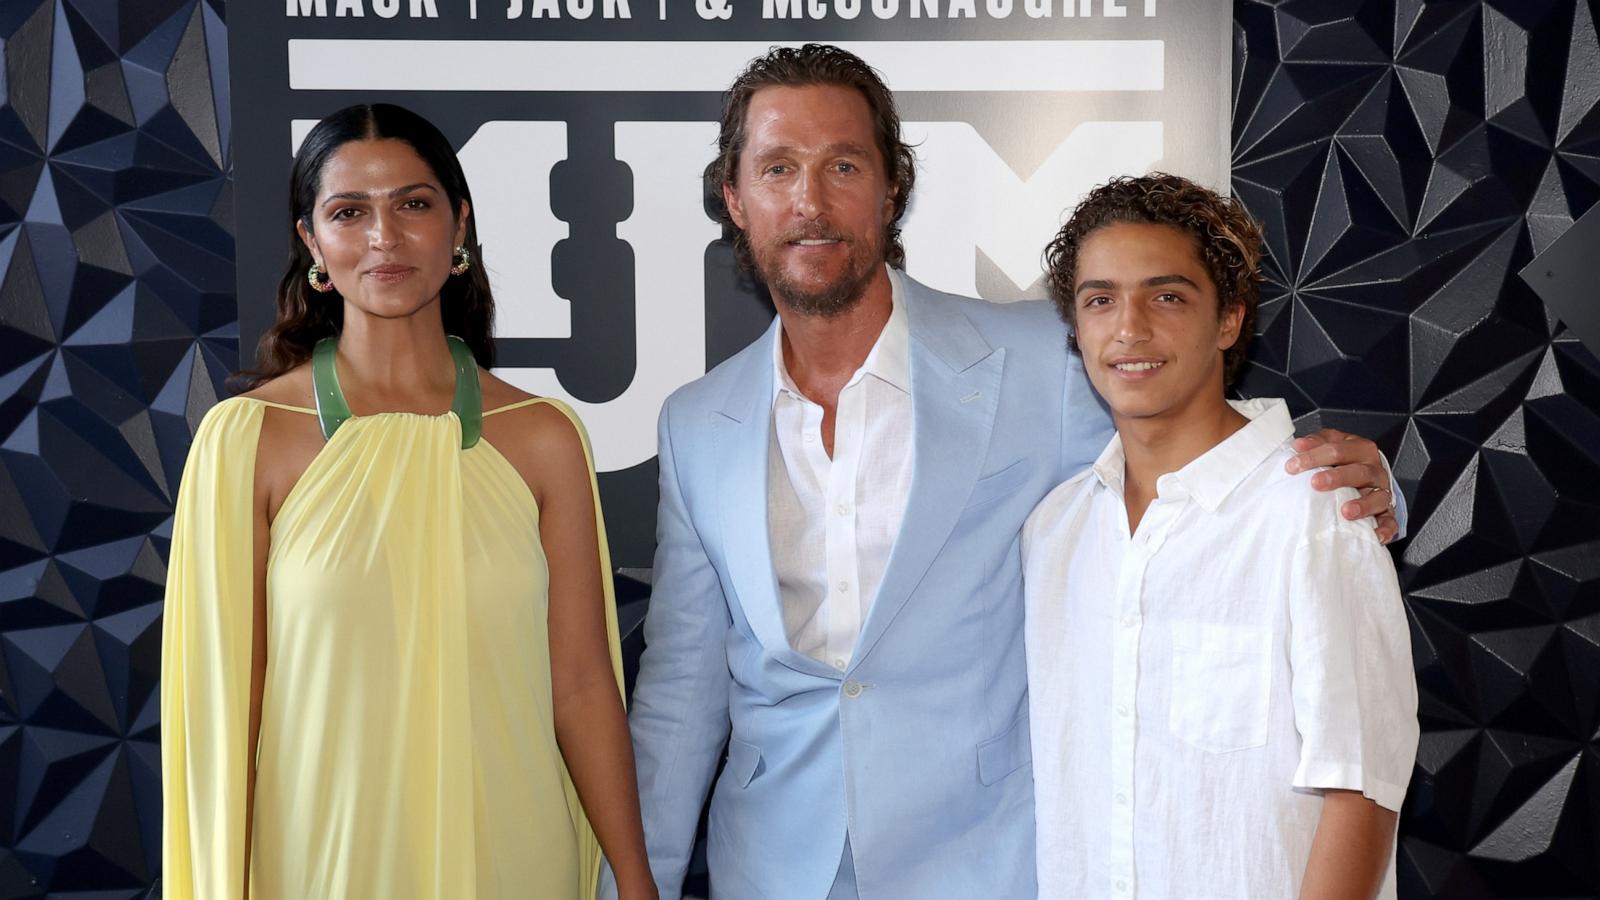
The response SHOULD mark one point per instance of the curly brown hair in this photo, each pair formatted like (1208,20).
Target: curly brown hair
(812,64)
(1228,240)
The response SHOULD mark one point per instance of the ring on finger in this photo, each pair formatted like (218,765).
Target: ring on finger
(1389,508)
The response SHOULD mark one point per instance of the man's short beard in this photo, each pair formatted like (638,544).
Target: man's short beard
(832,299)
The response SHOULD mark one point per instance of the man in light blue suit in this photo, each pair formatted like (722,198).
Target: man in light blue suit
(838,590)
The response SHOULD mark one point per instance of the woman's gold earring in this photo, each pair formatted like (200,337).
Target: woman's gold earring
(461,262)
(320,282)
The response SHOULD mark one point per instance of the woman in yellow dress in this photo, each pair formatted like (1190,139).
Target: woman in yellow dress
(389,659)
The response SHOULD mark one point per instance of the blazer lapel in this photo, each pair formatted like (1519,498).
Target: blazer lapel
(744,431)
(743,427)
(955,388)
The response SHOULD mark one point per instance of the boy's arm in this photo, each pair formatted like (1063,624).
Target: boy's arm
(1352,848)
(1355,702)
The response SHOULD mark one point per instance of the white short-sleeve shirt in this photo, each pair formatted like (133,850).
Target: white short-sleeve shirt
(1194,685)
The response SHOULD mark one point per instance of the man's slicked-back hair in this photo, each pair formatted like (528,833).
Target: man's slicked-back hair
(1227,239)
(812,64)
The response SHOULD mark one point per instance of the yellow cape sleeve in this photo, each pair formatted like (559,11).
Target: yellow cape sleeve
(588,845)
(206,646)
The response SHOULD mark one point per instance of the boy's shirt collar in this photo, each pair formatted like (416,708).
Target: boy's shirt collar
(1212,475)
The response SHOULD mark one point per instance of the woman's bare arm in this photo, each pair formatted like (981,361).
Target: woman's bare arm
(590,722)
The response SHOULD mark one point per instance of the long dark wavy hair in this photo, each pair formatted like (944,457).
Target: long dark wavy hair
(305,316)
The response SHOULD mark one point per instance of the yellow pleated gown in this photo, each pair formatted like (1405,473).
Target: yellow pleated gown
(407,742)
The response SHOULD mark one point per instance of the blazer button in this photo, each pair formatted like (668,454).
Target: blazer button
(852,689)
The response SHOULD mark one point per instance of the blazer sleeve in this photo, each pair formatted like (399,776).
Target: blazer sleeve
(1086,425)
(680,702)
(1401,513)
(206,646)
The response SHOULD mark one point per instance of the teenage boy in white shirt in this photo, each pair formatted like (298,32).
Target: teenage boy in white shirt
(1219,664)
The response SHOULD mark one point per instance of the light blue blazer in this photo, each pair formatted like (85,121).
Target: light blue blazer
(918,751)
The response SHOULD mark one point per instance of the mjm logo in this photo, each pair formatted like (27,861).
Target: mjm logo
(968,199)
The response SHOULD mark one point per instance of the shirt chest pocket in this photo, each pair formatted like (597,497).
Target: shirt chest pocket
(1221,683)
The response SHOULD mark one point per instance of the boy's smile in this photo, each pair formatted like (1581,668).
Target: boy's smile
(1147,321)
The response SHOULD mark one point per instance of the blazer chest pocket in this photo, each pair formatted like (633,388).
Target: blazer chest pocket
(744,762)
(1221,679)
(1001,484)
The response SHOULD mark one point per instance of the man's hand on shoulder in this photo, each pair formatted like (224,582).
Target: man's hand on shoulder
(1355,462)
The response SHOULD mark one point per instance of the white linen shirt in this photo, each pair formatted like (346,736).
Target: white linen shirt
(1193,686)
(832,522)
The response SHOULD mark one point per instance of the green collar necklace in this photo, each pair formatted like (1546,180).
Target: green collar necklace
(333,410)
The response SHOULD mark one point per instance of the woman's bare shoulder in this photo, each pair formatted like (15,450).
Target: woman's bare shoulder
(539,439)
(292,388)
(538,422)
(289,436)
(497,392)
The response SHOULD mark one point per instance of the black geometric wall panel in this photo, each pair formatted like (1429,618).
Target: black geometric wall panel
(1563,277)
(117,324)
(1408,158)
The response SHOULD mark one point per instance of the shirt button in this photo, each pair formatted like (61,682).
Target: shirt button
(1127,621)
(1122,885)
(844,585)
(1122,799)
(1121,711)
(811,438)
(852,689)
(839,664)
(842,509)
